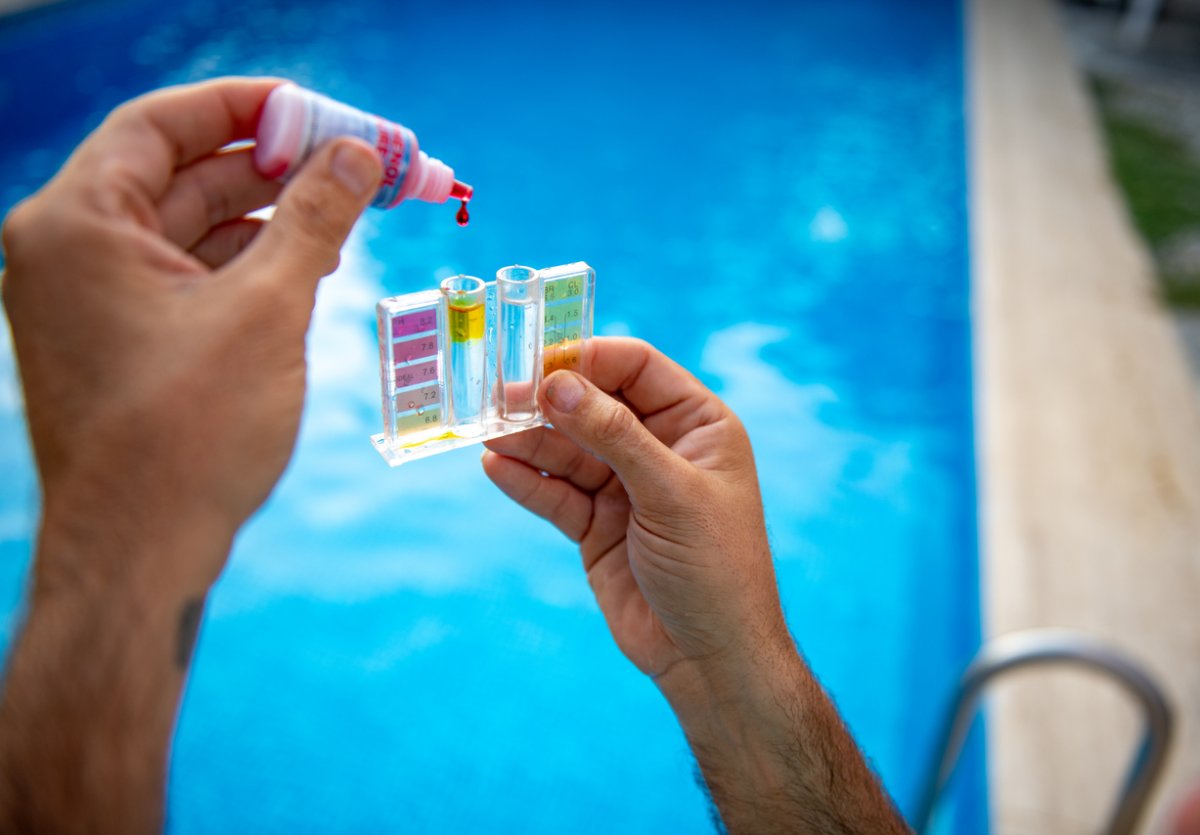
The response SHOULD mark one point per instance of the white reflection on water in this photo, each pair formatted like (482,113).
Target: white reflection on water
(828,226)
(10,386)
(780,414)
(805,462)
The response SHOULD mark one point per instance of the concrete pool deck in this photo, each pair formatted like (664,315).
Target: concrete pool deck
(1088,437)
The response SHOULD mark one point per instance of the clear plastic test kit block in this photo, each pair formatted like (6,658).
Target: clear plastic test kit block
(462,363)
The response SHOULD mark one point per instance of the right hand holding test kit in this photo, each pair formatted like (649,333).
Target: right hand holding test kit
(654,477)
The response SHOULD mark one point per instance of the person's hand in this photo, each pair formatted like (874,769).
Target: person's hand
(654,477)
(159,332)
(160,339)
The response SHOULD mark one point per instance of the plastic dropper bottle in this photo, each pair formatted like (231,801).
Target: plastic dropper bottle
(295,122)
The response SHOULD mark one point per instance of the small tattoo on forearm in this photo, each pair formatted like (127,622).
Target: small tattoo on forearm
(189,626)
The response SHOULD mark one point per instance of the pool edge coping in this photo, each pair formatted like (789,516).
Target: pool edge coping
(1088,451)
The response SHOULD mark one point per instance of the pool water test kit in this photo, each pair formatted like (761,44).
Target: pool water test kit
(462,363)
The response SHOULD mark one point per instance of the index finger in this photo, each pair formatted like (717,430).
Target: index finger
(646,378)
(153,135)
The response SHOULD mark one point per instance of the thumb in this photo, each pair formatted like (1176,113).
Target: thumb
(315,213)
(608,429)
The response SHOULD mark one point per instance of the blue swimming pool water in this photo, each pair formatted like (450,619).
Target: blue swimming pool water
(773,193)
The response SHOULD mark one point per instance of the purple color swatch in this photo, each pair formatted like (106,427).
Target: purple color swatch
(419,321)
(414,349)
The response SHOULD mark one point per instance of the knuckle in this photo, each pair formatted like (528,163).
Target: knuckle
(560,501)
(615,425)
(527,496)
(643,351)
(310,212)
(18,228)
(306,205)
(125,111)
(137,107)
(112,190)
(576,460)
(538,441)
(130,113)
(301,231)
(214,199)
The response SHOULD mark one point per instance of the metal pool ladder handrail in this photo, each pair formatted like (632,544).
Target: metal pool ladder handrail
(1036,647)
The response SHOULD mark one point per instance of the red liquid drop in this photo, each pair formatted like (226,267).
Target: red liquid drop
(462,217)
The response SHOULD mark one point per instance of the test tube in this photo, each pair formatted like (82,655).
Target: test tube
(466,357)
(519,347)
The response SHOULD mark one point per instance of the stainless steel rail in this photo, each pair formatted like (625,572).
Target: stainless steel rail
(1039,647)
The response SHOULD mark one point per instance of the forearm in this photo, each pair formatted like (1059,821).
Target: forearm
(92,689)
(774,752)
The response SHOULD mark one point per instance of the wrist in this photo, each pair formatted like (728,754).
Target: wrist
(752,663)
(734,700)
(102,659)
(99,535)
(775,754)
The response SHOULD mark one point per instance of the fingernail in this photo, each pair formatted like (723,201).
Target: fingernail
(357,168)
(565,392)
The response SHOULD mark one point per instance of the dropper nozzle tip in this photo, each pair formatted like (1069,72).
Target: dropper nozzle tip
(461,191)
